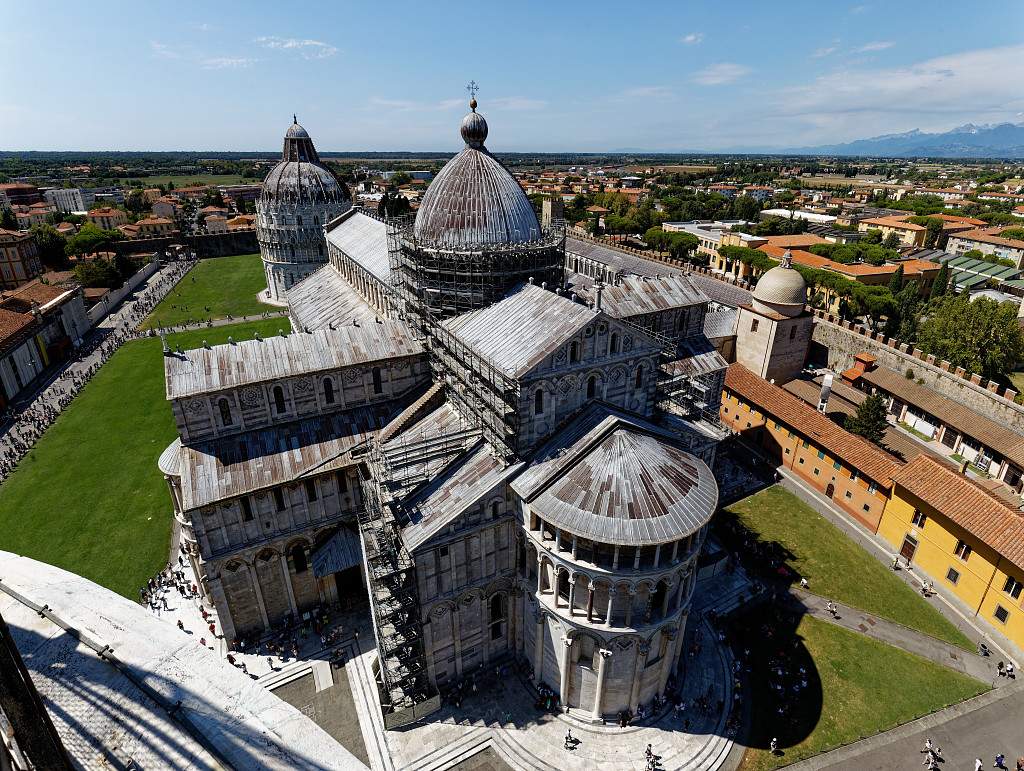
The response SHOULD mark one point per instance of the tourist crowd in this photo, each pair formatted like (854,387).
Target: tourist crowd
(24,423)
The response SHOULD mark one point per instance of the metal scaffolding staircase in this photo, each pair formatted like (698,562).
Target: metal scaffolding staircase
(405,688)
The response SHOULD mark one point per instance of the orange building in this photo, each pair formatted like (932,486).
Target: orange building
(855,474)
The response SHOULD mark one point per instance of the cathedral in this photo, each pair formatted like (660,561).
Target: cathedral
(503,445)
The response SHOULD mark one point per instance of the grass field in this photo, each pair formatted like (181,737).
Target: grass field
(857,687)
(215,288)
(835,566)
(192,181)
(89,497)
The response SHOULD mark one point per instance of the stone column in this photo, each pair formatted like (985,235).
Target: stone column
(615,558)
(565,673)
(540,575)
(677,665)
(675,550)
(665,599)
(611,603)
(538,648)
(457,637)
(679,591)
(590,602)
(254,579)
(602,665)
(288,586)
(657,555)
(641,662)
(629,607)
(572,593)
(674,640)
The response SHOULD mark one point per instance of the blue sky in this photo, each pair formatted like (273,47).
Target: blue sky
(554,76)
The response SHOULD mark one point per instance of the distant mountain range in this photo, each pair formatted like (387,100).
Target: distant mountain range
(995,140)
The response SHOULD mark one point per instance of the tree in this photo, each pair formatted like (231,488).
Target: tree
(870,419)
(941,284)
(135,202)
(891,241)
(8,221)
(896,282)
(91,239)
(51,246)
(982,336)
(399,178)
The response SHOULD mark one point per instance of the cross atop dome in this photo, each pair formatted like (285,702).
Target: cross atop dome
(472,88)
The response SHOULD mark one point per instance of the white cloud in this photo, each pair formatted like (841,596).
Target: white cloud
(720,74)
(930,94)
(205,27)
(164,51)
(860,8)
(306,48)
(515,103)
(226,62)
(647,92)
(824,51)
(692,39)
(877,45)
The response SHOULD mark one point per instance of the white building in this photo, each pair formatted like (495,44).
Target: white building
(69,199)
(300,196)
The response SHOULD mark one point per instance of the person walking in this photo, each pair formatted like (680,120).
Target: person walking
(1000,761)
(774,746)
(1000,670)
(568,739)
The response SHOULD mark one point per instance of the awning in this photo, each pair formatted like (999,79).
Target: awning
(341,551)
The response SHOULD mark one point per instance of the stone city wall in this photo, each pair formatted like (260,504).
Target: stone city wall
(205,245)
(844,339)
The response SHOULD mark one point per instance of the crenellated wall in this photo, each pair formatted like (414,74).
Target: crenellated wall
(844,339)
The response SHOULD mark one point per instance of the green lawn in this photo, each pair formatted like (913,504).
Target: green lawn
(192,180)
(857,687)
(835,566)
(215,288)
(89,497)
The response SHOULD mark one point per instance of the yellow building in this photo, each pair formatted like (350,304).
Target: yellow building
(964,538)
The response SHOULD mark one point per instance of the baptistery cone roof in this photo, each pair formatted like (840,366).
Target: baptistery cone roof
(300,175)
(474,201)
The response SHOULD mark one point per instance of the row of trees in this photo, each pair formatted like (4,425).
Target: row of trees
(681,246)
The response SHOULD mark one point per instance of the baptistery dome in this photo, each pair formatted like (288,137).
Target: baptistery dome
(300,195)
(300,175)
(475,201)
(782,289)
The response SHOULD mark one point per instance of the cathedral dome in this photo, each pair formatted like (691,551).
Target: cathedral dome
(782,289)
(300,176)
(474,201)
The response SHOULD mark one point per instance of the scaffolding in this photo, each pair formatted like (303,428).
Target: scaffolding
(406,693)
(448,281)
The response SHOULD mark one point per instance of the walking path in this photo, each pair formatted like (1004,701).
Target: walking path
(899,636)
(949,606)
(35,412)
(976,728)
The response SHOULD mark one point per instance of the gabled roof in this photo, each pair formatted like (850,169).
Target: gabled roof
(974,424)
(231,466)
(453,492)
(639,295)
(220,367)
(324,298)
(965,502)
(859,453)
(619,479)
(364,239)
(518,333)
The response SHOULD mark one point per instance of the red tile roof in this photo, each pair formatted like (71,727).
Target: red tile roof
(966,503)
(871,461)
